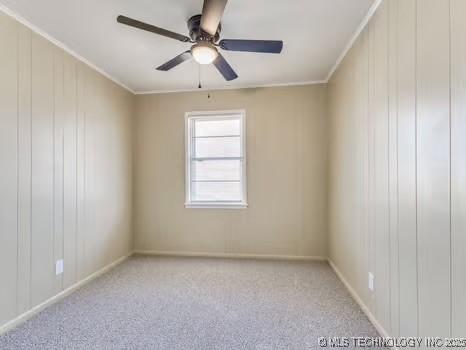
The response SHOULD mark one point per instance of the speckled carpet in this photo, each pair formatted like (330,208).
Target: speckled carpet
(198,303)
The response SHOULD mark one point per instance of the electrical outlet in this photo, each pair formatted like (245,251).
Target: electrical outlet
(371,281)
(59,267)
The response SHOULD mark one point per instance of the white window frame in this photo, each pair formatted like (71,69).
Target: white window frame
(189,145)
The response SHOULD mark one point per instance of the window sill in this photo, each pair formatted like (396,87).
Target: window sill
(216,205)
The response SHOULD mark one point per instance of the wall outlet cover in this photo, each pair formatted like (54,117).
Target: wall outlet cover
(59,267)
(371,281)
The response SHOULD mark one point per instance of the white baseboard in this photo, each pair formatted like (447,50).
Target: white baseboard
(230,255)
(35,310)
(365,309)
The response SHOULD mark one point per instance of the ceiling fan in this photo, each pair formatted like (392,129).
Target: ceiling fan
(204,33)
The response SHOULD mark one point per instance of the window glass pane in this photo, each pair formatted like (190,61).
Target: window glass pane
(216,191)
(221,127)
(217,147)
(226,170)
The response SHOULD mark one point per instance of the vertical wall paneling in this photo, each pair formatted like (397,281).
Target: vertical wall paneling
(58,150)
(416,175)
(70,170)
(45,95)
(458,166)
(361,111)
(381,176)
(433,166)
(90,116)
(42,238)
(393,165)
(270,225)
(80,170)
(406,135)
(24,168)
(365,147)
(9,169)
(371,161)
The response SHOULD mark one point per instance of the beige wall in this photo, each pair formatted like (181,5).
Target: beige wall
(398,167)
(65,179)
(286,175)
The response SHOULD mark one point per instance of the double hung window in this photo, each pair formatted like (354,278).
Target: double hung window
(215,160)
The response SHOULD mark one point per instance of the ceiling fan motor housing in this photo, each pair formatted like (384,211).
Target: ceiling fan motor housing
(197,34)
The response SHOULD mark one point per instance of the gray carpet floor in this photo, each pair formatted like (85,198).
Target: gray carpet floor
(198,303)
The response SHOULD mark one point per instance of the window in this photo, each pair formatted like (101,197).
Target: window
(215,160)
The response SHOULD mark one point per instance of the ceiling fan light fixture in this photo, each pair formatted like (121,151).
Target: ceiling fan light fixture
(204,33)
(204,53)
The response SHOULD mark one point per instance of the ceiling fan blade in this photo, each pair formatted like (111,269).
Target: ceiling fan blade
(150,28)
(212,13)
(266,46)
(224,68)
(175,61)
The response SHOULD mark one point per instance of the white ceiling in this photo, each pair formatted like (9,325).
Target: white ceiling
(315,33)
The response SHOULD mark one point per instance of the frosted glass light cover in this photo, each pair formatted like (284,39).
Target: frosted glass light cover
(204,53)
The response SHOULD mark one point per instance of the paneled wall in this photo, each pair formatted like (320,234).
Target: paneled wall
(397,204)
(286,131)
(65,178)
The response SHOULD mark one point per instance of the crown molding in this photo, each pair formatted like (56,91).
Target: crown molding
(240,87)
(59,44)
(354,37)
